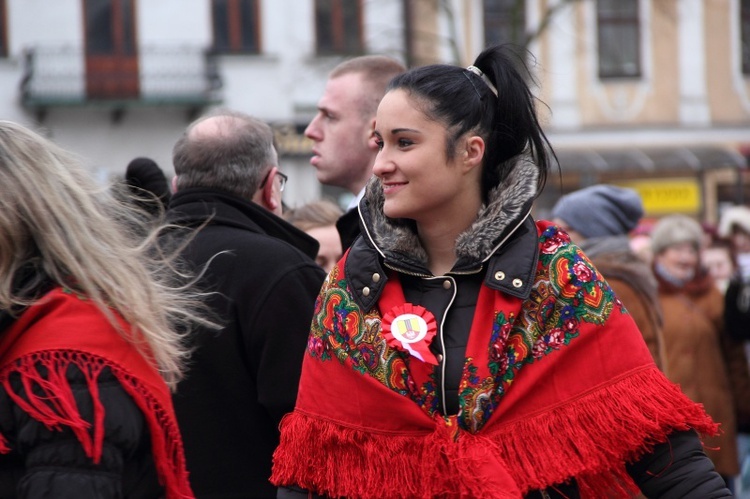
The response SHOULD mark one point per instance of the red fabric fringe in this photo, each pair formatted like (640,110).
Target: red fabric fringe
(589,438)
(49,399)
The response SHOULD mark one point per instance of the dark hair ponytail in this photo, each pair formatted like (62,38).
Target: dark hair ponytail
(515,128)
(464,101)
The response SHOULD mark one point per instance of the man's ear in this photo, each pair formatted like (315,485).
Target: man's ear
(174,184)
(473,152)
(264,196)
(372,141)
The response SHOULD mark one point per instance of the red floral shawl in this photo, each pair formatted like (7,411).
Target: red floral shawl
(555,387)
(63,329)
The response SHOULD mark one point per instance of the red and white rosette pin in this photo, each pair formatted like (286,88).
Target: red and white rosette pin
(411,328)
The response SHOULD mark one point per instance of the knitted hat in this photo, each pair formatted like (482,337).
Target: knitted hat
(145,174)
(735,216)
(675,229)
(600,210)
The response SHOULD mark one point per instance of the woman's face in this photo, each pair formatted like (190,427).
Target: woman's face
(718,262)
(679,260)
(419,181)
(330,246)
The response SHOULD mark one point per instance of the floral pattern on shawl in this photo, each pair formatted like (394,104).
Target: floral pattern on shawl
(567,292)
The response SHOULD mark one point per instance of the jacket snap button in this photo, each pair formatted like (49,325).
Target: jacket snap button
(366,291)
(517,283)
(447,284)
(375,277)
(439,357)
(500,275)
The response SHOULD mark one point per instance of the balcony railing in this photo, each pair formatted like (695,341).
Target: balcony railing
(158,76)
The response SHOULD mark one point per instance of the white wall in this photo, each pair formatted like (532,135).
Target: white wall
(281,86)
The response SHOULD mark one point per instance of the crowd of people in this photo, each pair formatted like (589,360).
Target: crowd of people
(198,337)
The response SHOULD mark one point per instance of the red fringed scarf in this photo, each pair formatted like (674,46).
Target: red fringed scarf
(64,329)
(560,386)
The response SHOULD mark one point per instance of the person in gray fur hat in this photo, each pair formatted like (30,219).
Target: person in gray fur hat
(598,219)
(709,365)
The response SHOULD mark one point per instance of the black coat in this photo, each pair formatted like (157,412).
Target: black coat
(348,227)
(737,308)
(243,378)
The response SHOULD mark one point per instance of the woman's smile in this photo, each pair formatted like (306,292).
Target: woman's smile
(390,188)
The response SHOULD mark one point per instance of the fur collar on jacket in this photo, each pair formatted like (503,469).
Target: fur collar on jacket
(509,204)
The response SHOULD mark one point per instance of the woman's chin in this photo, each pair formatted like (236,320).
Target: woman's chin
(392,211)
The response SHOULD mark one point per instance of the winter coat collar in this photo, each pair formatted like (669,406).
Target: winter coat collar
(193,206)
(503,237)
(699,285)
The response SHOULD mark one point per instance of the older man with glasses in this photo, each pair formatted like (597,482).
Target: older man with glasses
(262,278)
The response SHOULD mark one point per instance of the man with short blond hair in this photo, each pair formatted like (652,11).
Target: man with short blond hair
(344,147)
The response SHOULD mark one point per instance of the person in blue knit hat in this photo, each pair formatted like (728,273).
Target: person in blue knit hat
(599,211)
(598,219)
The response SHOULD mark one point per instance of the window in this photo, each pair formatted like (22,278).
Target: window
(111,49)
(619,38)
(504,22)
(110,27)
(745,40)
(3,30)
(236,26)
(338,27)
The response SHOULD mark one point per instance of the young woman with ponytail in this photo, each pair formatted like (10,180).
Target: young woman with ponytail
(462,349)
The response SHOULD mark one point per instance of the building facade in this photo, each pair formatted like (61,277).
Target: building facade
(649,93)
(115,79)
(654,94)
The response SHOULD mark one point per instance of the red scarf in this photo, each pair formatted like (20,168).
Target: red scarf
(560,386)
(63,329)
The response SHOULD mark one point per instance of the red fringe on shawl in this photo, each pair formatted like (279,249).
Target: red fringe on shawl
(589,439)
(50,401)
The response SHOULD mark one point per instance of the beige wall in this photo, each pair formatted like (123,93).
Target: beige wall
(729,103)
(655,98)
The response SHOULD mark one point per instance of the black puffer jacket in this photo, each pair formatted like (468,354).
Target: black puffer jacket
(52,464)
(47,464)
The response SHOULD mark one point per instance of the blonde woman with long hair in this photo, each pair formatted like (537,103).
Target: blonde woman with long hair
(89,345)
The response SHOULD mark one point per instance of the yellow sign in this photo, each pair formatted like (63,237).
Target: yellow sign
(674,195)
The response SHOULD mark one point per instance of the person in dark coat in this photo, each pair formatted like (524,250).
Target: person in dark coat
(263,278)
(734,225)
(343,145)
(148,185)
(598,219)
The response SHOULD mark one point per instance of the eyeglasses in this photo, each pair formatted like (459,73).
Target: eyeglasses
(282,180)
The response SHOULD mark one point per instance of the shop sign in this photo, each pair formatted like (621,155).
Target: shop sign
(674,195)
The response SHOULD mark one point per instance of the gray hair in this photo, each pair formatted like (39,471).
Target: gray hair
(233,156)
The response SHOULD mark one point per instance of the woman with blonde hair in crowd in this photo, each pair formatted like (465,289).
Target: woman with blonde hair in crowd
(318,219)
(89,314)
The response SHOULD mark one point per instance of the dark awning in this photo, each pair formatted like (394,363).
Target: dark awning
(649,160)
